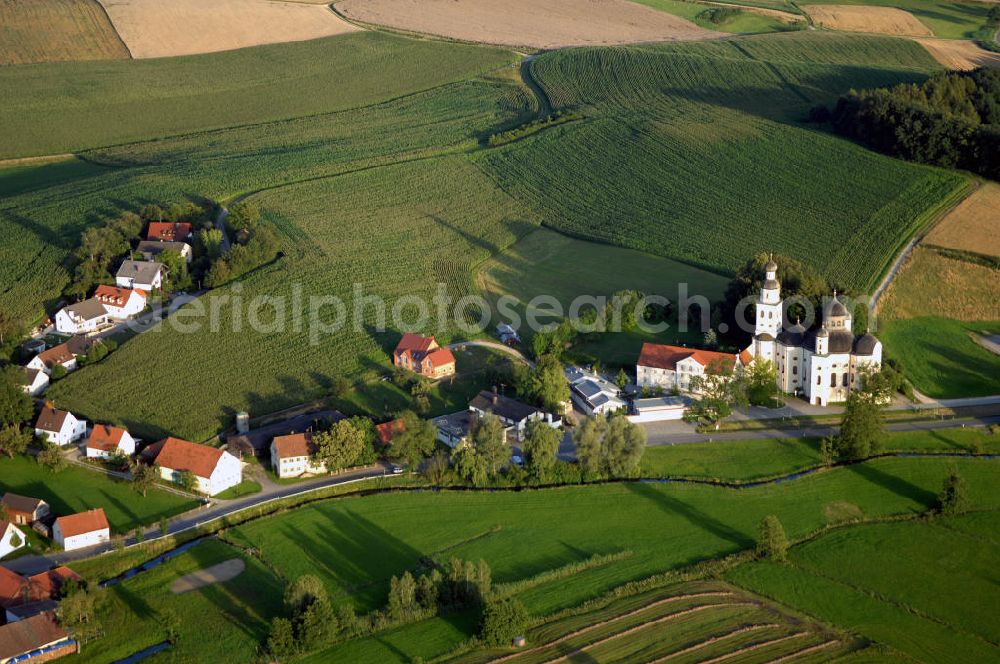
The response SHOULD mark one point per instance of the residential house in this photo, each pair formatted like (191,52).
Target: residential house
(59,426)
(105,441)
(121,303)
(34,382)
(22,597)
(23,611)
(592,394)
(35,639)
(673,367)
(422,355)
(64,354)
(515,415)
(292,456)
(453,430)
(386,431)
(214,469)
(168,231)
(144,275)
(84,317)
(81,530)
(151,249)
(11,539)
(23,510)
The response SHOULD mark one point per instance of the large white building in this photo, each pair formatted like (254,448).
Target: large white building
(821,365)
(214,469)
(78,531)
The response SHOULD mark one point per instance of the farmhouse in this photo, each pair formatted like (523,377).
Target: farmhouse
(150,249)
(146,276)
(64,354)
(59,426)
(35,639)
(824,365)
(673,367)
(292,456)
(215,470)
(422,355)
(82,318)
(593,394)
(168,231)
(23,510)
(78,531)
(34,381)
(514,414)
(11,539)
(387,431)
(121,303)
(105,441)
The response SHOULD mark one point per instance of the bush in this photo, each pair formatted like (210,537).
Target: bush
(772,542)
(503,620)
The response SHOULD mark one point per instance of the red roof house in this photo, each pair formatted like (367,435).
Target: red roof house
(168,231)
(388,430)
(422,355)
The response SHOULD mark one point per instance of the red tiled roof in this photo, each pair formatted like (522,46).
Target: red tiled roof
(82,522)
(440,357)
(49,583)
(180,455)
(294,445)
(745,357)
(167,230)
(388,430)
(663,356)
(24,636)
(60,354)
(51,419)
(114,296)
(105,437)
(414,343)
(12,587)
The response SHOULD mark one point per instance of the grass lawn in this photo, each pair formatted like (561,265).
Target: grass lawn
(356,544)
(925,588)
(222,622)
(244,488)
(939,356)
(946,18)
(76,489)
(745,22)
(748,460)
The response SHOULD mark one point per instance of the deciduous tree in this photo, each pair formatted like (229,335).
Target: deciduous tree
(541,445)
(772,541)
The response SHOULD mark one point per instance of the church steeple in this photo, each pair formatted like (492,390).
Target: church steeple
(769,305)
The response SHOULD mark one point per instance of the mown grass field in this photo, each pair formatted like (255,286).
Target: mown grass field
(53,30)
(972,225)
(924,588)
(64,107)
(77,489)
(945,18)
(932,283)
(714,132)
(355,545)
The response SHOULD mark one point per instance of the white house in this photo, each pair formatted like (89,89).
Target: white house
(105,441)
(78,531)
(35,381)
(59,426)
(593,394)
(82,318)
(673,367)
(121,303)
(292,456)
(822,365)
(11,539)
(144,275)
(214,469)
(64,354)
(513,414)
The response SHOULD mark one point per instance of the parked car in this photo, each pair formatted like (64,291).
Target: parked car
(397,469)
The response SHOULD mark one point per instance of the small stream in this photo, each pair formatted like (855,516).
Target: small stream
(152,563)
(143,654)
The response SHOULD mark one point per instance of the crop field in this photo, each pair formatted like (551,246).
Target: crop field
(948,19)
(522,23)
(154,29)
(73,106)
(856,18)
(54,30)
(960,55)
(930,283)
(355,545)
(972,226)
(713,133)
(924,588)
(78,489)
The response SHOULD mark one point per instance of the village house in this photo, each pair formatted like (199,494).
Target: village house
(11,539)
(592,394)
(386,431)
(453,430)
(145,276)
(673,367)
(59,426)
(422,355)
(168,231)
(513,414)
(22,510)
(34,381)
(84,317)
(35,639)
(292,456)
(214,469)
(65,354)
(121,303)
(78,531)
(22,597)
(150,249)
(105,441)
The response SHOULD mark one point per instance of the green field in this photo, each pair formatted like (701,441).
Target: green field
(62,107)
(939,356)
(744,22)
(924,588)
(78,489)
(945,18)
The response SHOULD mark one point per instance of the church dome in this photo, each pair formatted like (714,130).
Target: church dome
(836,309)
(823,332)
(865,345)
(771,266)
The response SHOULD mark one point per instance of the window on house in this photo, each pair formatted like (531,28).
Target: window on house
(833,380)
(795,370)
(819,380)
(844,381)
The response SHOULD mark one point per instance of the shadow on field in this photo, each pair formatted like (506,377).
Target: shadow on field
(899,486)
(696,517)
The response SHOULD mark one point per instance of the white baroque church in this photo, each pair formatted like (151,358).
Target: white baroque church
(824,365)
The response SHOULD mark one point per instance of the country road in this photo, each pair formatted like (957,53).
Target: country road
(494,345)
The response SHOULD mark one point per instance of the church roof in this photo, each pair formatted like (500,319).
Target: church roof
(835,308)
(865,344)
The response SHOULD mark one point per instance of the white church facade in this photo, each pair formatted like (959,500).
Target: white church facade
(822,366)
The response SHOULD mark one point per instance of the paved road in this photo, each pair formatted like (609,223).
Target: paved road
(220,223)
